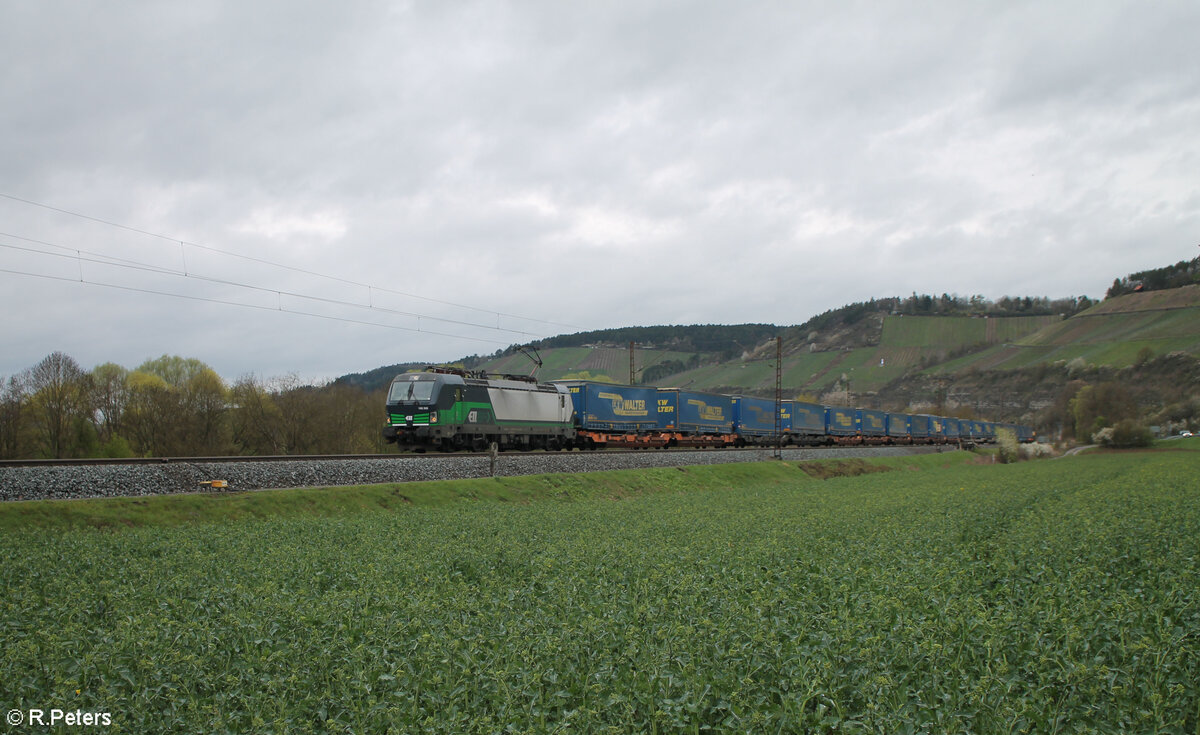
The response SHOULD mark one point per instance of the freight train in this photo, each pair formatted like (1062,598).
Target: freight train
(448,410)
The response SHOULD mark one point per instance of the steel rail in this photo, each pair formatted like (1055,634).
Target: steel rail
(104,461)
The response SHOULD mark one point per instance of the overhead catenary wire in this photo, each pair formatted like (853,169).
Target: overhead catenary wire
(102,259)
(280,307)
(274,264)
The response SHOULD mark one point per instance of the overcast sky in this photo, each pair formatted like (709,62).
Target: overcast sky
(200,178)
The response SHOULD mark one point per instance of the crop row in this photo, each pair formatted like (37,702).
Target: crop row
(1053,596)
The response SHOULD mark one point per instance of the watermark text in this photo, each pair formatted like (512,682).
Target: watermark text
(55,717)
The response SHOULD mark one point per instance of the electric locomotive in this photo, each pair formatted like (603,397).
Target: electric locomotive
(448,409)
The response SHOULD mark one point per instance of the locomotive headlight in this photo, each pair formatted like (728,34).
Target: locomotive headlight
(433,417)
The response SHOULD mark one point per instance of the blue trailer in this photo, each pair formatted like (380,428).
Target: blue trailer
(952,430)
(943,430)
(808,422)
(898,427)
(754,418)
(840,422)
(687,412)
(972,431)
(609,407)
(872,425)
(920,428)
(785,417)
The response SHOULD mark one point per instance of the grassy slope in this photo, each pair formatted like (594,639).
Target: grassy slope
(1111,333)
(169,510)
(906,343)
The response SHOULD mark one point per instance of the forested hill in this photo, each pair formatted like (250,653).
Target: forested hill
(378,378)
(719,338)
(1183,273)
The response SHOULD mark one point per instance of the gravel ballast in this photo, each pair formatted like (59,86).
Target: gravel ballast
(179,476)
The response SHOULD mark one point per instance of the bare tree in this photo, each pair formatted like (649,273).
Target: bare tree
(60,400)
(256,421)
(299,414)
(110,394)
(14,404)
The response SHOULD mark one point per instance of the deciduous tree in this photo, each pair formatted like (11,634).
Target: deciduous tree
(110,393)
(14,403)
(257,424)
(150,412)
(60,400)
(1098,406)
(206,401)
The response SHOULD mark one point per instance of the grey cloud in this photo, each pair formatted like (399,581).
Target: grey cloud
(594,165)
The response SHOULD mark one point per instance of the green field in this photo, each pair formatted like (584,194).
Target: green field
(942,596)
(751,375)
(1101,338)
(955,332)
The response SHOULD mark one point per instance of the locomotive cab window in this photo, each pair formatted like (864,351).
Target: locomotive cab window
(410,391)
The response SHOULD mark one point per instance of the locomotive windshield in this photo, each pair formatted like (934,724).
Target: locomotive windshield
(408,391)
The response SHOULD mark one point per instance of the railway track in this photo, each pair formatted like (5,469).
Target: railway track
(106,461)
(58,479)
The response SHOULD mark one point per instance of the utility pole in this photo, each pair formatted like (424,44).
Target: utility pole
(779,398)
(632,372)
